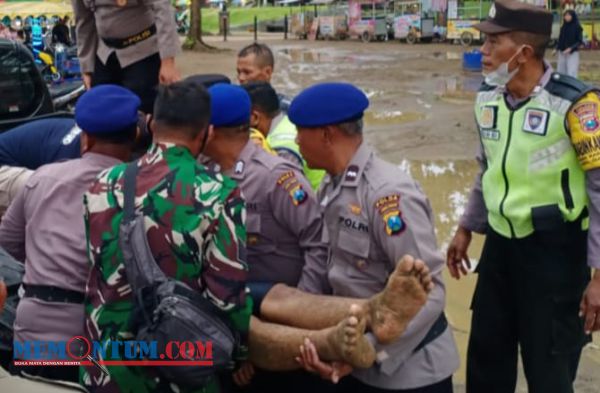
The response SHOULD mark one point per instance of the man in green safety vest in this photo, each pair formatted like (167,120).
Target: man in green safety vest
(537,199)
(255,63)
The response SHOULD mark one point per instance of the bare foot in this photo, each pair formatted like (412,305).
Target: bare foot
(349,342)
(405,293)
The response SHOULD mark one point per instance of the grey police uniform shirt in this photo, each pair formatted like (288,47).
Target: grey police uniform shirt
(97,19)
(283,224)
(373,217)
(44,227)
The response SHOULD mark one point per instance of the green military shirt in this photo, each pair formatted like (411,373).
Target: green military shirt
(195,223)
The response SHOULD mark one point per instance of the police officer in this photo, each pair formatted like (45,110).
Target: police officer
(255,64)
(283,223)
(40,142)
(208,80)
(374,214)
(29,146)
(132,43)
(538,188)
(44,228)
(283,218)
(25,148)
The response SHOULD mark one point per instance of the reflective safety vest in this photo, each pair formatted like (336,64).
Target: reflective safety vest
(283,137)
(532,168)
(257,137)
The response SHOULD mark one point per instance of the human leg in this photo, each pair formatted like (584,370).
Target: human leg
(388,313)
(142,79)
(551,335)
(275,347)
(573,64)
(492,350)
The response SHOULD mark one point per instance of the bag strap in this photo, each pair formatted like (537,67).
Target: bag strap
(140,265)
(129,191)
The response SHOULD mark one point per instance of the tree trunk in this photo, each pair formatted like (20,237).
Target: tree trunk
(194,39)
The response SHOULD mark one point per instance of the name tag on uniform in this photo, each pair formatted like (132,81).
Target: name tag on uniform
(490,134)
(536,121)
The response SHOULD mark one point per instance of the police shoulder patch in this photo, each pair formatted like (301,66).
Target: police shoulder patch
(287,176)
(389,210)
(587,113)
(583,123)
(289,182)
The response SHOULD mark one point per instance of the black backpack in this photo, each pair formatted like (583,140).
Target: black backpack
(168,309)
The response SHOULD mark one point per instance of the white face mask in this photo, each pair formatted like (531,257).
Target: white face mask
(501,76)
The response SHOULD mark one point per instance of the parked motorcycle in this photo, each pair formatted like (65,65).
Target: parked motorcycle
(25,94)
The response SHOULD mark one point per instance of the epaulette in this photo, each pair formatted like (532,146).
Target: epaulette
(567,87)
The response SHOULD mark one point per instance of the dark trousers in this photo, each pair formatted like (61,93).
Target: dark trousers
(527,295)
(140,77)
(350,384)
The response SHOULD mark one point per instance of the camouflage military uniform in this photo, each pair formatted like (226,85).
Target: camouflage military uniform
(195,223)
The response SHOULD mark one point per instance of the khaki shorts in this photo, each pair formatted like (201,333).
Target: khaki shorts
(12,180)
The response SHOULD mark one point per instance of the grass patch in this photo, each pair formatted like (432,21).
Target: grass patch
(244,16)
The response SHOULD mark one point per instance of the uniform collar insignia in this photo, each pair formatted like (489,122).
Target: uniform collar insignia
(357,165)
(239,167)
(352,173)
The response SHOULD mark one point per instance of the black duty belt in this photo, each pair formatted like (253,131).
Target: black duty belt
(53,294)
(122,43)
(439,327)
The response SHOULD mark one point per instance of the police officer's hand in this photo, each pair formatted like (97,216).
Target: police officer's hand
(457,258)
(243,375)
(590,305)
(309,360)
(87,80)
(168,72)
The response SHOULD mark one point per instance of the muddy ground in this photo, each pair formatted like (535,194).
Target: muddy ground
(420,118)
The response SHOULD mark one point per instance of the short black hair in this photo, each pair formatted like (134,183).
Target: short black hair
(125,136)
(539,42)
(352,127)
(184,106)
(263,97)
(264,55)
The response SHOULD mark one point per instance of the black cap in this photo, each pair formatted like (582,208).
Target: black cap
(207,80)
(513,15)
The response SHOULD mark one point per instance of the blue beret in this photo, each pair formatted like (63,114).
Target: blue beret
(230,105)
(328,103)
(106,109)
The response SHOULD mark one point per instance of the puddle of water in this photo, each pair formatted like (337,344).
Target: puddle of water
(447,185)
(383,118)
(333,55)
(459,88)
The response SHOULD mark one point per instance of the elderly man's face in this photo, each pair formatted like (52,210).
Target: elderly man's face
(497,49)
(248,70)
